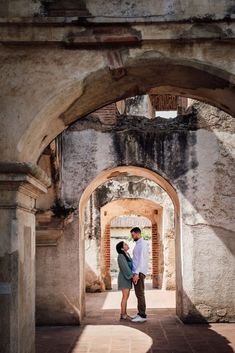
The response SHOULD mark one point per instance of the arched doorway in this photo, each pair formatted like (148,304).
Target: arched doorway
(141,207)
(203,77)
(128,189)
(131,170)
(119,230)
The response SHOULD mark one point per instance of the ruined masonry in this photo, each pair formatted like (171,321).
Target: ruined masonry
(82,141)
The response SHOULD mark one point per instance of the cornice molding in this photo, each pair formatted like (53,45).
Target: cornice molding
(24,168)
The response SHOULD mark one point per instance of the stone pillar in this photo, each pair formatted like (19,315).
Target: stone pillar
(19,187)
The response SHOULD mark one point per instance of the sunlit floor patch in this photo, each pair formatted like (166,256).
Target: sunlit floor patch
(115,338)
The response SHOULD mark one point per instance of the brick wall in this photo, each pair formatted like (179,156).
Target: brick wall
(155,256)
(105,253)
(108,114)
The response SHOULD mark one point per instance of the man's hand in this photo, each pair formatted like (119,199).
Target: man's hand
(135,278)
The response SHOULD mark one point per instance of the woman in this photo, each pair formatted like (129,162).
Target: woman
(124,277)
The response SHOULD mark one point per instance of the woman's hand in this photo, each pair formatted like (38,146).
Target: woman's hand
(135,278)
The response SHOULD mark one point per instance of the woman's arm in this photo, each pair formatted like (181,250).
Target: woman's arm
(124,268)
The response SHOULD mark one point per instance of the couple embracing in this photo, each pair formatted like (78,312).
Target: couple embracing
(133,271)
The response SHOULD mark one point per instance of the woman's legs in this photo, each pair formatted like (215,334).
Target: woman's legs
(125,296)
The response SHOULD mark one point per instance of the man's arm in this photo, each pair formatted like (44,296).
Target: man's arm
(142,258)
(139,254)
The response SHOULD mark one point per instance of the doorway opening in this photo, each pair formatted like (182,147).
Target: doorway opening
(120,231)
(159,213)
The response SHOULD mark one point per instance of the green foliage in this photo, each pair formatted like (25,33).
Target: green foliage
(147,234)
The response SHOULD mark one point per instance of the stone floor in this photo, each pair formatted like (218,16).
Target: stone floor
(102,331)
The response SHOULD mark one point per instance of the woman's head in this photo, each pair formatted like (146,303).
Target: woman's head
(122,246)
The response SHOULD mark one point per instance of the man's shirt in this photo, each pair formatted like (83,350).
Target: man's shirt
(140,257)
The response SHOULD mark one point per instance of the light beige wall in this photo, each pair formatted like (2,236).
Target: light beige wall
(18,191)
(59,283)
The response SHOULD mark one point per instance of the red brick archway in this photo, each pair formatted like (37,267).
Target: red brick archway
(157,253)
(156,256)
(142,207)
(106,255)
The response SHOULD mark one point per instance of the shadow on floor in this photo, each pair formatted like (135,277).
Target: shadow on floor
(101,331)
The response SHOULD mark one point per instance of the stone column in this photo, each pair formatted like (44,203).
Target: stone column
(20,185)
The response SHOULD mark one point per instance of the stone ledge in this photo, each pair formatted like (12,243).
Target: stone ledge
(49,228)
(28,168)
(85,34)
(48,237)
(14,187)
(92,19)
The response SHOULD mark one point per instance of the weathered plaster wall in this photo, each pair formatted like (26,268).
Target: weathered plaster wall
(162,10)
(59,294)
(139,106)
(17,257)
(18,191)
(195,154)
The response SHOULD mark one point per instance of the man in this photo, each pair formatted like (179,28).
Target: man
(140,269)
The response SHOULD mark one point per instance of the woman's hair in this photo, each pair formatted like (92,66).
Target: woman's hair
(119,248)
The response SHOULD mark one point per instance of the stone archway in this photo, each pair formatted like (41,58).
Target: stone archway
(156,253)
(119,188)
(204,77)
(131,170)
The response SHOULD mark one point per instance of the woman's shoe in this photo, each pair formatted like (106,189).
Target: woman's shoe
(125,317)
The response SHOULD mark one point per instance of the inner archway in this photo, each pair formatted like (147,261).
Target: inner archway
(141,207)
(126,190)
(131,170)
(119,230)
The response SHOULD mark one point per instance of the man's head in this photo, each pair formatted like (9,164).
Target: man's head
(136,233)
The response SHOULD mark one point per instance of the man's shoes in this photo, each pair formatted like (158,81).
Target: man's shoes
(138,318)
